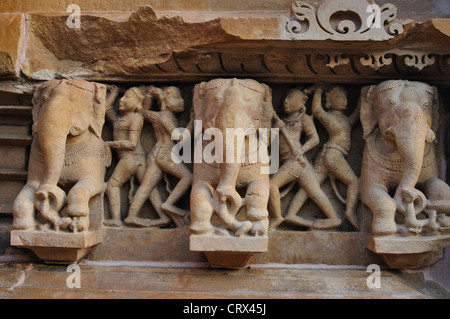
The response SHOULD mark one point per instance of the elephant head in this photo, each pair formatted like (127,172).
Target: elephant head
(63,112)
(403,115)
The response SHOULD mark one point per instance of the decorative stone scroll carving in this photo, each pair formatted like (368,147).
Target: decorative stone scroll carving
(61,207)
(343,20)
(400,120)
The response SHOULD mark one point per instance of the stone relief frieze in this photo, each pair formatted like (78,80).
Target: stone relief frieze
(363,162)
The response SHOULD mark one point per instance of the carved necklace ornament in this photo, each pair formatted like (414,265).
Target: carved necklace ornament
(393,162)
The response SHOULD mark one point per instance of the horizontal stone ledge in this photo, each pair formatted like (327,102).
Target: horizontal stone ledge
(284,247)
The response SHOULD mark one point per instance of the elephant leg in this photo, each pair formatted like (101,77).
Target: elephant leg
(78,202)
(438,192)
(201,208)
(383,208)
(256,199)
(23,207)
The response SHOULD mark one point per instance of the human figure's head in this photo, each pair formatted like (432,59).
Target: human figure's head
(295,101)
(131,101)
(336,99)
(172,99)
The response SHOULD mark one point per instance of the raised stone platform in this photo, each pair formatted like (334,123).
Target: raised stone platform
(163,281)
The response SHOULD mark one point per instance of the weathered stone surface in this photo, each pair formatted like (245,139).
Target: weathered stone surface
(161,282)
(106,47)
(12,28)
(284,247)
(56,247)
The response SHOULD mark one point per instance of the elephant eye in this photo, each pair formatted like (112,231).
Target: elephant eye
(45,98)
(218,98)
(426,105)
(392,102)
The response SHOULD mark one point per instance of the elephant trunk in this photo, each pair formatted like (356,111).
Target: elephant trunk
(410,141)
(235,125)
(52,132)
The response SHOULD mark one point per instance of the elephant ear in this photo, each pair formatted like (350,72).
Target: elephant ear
(36,101)
(434,110)
(367,115)
(268,111)
(198,100)
(98,109)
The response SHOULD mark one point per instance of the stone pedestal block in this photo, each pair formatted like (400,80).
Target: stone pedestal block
(409,252)
(228,252)
(53,247)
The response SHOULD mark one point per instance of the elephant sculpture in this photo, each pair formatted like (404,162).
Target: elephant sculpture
(218,186)
(399,171)
(67,159)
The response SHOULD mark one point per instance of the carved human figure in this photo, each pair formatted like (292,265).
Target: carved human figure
(159,161)
(331,161)
(127,127)
(296,167)
(68,159)
(399,120)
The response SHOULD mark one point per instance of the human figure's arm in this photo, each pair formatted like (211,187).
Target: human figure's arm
(278,123)
(310,131)
(354,117)
(110,112)
(134,132)
(316,106)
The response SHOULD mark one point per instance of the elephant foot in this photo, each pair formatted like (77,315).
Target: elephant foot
(324,224)
(23,223)
(259,228)
(443,220)
(137,222)
(201,228)
(112,222)
(79,224)
(275,222)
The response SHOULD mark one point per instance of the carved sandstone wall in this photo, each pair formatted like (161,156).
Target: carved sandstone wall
(171,43)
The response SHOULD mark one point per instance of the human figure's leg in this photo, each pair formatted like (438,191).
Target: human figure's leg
(279,179)
(151,178)
(309,182)
(302,196)
(124,170)
(338,166)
